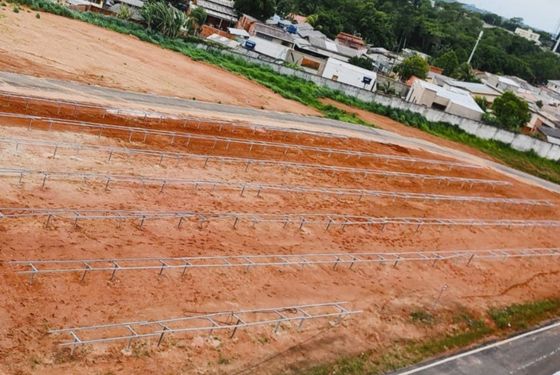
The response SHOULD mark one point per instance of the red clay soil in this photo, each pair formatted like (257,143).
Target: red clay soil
(386,123)
(387,294)
(98,56)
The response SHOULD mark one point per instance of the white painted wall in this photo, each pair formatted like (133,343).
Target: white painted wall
(349,74)
(517,141)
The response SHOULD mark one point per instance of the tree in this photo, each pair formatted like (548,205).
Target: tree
(511,111)
(482,103)
(260,9)
(465,73)
(197,18)
(362,62)
(413,66)
(164,18)
(539,103)
(449,62)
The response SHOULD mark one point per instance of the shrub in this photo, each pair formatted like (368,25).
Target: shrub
(511,111)
(164,18)
(124,12)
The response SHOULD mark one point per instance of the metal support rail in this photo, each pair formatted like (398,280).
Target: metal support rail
(327,220)
(161,265)
(218,321)
(161,116)
(285,147)
(205,159)
(243,187)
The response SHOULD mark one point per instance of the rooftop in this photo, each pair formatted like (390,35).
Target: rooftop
(454,95)
(223,9)
(274,31)
(550,132)
(475,88)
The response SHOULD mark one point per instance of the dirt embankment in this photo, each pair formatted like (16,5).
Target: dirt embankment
(387,293)
(386,123)
(98,56)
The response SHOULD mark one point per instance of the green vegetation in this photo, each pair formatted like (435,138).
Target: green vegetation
(362,62)
(308,93)
(197,18)
(421,316)
(260,9)
(511,111)
(164,18)
(449,62)
(413,66)
(522,316)
(468,330)
(398,24)
(528,162)
(124,12)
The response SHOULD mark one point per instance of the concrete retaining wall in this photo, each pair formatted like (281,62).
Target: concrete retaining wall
(519,142)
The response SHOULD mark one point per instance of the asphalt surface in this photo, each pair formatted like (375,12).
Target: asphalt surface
(13,82)
(533,353)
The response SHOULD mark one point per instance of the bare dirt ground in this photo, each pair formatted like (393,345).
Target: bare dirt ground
(98,56)
(386,294)
(386,123)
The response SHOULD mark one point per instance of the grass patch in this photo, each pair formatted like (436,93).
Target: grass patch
(522,316)
(528,162)
(469,330)
(422,317)
(307,92)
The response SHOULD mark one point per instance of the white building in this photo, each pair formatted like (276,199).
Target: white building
(529,35)
(269,48)
(349,74)
(448,99)
(475,89)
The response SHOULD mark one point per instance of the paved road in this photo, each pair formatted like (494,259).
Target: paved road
(533,353)
(16,82)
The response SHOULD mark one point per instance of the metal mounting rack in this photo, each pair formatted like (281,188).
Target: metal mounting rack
(220,321)
(326,220)
(160,116)
(161,265)
(285,147)
(246,162)
(244,187)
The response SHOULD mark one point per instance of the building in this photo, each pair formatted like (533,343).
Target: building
(383,59)
(499,82)
(349,74)
(448,99)
(529,35)
(268,48)
(552,134)
(221,13)
(474,89)
(314,43)
(273,34)
(407,52)
(351,41)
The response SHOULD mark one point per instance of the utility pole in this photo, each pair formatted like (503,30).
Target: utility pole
(555,49)
(475,47)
